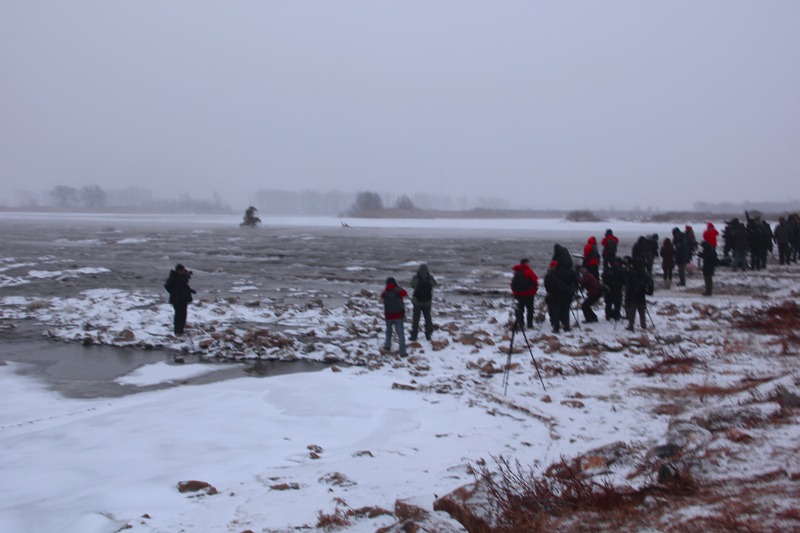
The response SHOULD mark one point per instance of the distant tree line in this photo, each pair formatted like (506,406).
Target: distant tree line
(792,206)
(337,203)
(95,197)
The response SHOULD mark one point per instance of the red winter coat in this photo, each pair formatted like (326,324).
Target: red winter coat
(531,275)
(587,252)
(710,235)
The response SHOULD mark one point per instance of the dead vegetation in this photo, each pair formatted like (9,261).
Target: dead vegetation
(670,364)
(567,498)
(782,321)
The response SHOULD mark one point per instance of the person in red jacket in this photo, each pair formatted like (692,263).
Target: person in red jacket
(591,258)
(524,284)
(394,310)
(610,243)
(710,235)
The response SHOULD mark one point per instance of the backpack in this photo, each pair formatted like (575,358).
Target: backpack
(424,291)
(520,283)
(392,302)
(611,247)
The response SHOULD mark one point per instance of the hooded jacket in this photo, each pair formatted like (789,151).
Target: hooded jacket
(710,235)
(422,277)
(590,253)
(177,286)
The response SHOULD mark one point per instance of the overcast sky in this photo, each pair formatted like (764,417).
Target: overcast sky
(547,104)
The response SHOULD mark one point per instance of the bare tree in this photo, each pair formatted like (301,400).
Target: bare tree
(367,201)
(64,195)
(93,196)
(405,203)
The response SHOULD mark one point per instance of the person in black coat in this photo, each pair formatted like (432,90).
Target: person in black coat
(682,255)
(614,279)
(560,283)
(709,255)
(180,294)
(638,285)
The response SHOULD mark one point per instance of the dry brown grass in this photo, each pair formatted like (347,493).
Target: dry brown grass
(783,321)
(564,499)
(670,364)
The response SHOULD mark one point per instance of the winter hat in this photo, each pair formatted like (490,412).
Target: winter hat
(179,267)
(609,232)
(524,261)
(390,281)
(710,225)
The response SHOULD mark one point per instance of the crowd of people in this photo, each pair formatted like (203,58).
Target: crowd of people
(624,284)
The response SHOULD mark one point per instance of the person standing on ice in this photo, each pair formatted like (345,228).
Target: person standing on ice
(638,285)
(524,285)
(709,255)
(422,298)
(394,311)
(180,294)
(591,258)
(610,243)
(667,253)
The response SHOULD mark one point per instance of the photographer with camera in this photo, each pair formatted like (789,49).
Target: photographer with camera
(180,294)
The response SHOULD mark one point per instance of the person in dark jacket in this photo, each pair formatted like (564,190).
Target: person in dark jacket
(682,256)
(610,244)
(180,294)
(783,238)
(561,256)
(560,283)
(739,245)
(667,254)
(709,256)
(638,285)
(592,288)
(422,299)
(524,285)
(591,258)
(691,241)
(614,279)
(394,311)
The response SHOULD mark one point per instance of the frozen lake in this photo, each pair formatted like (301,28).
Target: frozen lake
(287,259)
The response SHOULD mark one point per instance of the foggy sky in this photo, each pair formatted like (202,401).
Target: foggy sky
(556,104)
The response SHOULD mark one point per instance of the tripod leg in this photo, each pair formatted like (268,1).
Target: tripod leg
(508,360)
(534,360)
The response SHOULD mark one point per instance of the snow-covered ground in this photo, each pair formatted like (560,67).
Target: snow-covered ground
(372,428)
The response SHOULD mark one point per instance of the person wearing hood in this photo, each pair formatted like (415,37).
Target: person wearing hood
(524,285)
(561,256)
(591,258)
(394,310)
(422,298)
(180,294)
(710,235)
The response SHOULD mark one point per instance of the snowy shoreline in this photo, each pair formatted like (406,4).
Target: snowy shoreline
(281,450)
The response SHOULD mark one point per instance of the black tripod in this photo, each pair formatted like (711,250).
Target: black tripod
(521,325)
